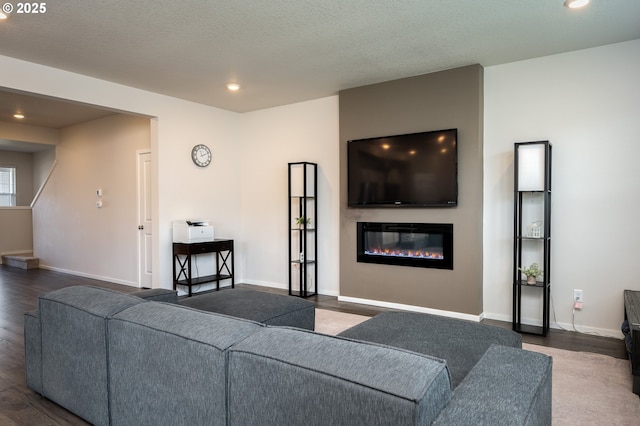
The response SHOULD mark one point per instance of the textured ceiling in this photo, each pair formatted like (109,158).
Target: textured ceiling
(285,51)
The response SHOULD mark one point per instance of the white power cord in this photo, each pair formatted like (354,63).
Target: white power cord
(553,310)
(573,322)
(573,319)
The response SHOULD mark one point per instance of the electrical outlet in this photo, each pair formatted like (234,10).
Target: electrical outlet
(577,299)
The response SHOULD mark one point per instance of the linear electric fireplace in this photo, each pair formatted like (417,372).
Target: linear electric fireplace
(424,245)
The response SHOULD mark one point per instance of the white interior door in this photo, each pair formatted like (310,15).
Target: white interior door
(144,219)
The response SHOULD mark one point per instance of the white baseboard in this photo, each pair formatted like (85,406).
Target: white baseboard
(184,290)
(85,275)
(602,332)
(281,286)
(411,308)
(16,252)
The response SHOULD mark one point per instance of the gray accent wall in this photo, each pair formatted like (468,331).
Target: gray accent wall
(442,100)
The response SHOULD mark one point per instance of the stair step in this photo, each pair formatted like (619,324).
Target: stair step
(21,261)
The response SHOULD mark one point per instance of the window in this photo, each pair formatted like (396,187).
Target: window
(7,186)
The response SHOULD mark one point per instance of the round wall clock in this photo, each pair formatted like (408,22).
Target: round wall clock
(201,155)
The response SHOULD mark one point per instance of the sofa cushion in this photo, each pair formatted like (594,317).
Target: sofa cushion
(461,343)
(260,306)
(290,376)
(74,348)
(508,386)
(167,364)
(33,351)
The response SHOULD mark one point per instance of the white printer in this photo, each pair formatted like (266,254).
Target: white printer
(192,231)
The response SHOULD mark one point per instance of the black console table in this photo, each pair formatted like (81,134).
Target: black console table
(182,271)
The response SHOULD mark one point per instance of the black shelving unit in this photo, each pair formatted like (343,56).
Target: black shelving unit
(532,229)
(303,227)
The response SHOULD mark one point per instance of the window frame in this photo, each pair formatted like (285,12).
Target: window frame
(9,185)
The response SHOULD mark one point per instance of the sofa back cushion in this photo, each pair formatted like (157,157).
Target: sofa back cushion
(167,364)
(74,348)
(290,376)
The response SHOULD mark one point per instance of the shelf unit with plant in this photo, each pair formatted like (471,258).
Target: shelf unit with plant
(532,234)
(303,226)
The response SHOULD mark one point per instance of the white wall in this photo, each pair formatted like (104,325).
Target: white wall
(27,133)
(16,228)
(587,103)
(272,138)
(180,188)
(43,161)
(44,157)
(71,233)
(16,232)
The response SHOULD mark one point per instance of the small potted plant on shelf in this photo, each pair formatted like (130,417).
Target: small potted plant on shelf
(532,272)
(301,222)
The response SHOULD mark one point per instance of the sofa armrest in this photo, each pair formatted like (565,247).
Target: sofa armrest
(157,295)
(508,386)
(33,350)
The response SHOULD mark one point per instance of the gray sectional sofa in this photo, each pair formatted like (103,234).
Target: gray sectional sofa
(116,359)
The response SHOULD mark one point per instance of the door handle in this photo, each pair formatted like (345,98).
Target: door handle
(141,227)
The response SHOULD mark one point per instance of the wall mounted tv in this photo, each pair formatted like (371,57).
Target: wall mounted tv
(412,170)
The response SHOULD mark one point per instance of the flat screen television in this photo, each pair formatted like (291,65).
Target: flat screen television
(412,170)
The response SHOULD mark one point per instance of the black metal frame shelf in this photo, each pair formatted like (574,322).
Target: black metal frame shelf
(541,245)
(303,203)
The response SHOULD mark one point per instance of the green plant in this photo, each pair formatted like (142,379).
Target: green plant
(302,221)
(532,271)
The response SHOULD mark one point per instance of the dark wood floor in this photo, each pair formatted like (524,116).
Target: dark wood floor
(19,291)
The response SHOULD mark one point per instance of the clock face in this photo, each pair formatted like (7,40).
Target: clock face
(201,155)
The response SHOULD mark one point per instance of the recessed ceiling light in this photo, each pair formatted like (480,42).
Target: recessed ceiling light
(233,87)
(18,116)
(575,4)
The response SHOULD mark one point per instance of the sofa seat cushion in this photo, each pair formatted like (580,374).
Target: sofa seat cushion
(461,343)
(167,364)
(291,376)
(260,306)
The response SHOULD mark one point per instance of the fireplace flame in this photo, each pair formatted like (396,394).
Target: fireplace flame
(418,254)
